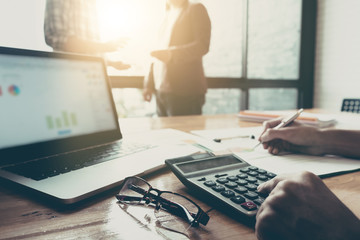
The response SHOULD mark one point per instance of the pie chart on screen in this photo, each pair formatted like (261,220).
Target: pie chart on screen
(14,90)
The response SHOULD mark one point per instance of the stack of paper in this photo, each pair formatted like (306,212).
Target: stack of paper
(317,119)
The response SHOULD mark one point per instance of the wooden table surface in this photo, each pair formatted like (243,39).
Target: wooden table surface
(23,216)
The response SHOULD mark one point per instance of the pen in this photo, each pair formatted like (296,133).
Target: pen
(229,138)
(290,119)
(286,121)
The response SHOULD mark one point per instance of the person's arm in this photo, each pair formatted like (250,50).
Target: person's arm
(76,44)
(310,140)
(342,142)
(302,207)
(201,30)
(149,84)
(119,65)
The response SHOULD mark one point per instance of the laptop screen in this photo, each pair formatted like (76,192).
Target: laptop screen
(52,96)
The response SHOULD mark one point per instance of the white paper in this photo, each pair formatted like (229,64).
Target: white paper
(278,164)
(172,137)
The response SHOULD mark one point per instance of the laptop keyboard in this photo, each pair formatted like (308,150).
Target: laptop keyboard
(51,166)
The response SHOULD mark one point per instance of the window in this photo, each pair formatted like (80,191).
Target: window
(274,39)
(225,56)
(274,28)
(261,54)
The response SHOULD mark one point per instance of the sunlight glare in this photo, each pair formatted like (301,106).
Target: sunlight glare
(138,22)
(115,19)
(127,18)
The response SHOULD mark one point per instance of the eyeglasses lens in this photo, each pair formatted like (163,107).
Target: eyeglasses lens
(134,189)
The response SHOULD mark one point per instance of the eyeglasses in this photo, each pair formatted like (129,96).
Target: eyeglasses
(172,210)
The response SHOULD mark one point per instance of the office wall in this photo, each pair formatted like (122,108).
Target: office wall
(337,64)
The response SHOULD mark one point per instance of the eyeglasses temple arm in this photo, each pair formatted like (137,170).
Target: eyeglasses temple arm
(182,212)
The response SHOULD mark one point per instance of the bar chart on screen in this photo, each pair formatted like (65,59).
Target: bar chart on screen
(62,123)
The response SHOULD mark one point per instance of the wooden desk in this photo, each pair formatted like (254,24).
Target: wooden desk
(23,216)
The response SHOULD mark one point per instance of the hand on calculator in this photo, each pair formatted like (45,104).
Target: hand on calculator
(302,207)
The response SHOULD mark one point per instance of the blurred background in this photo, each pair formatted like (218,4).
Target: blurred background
(264,54)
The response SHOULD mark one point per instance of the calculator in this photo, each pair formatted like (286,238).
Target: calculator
(226,180)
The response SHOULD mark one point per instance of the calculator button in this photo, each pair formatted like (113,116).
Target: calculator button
(228,193)
(251,195)
(222,180)
(253,173)
(251,180)
(261,171)
(231,185)
(253,168)
(218,188)
(242,182)
(262,177)
(210,183)
(232,178)
(242,175)
(202,179)
(249,206)
(238,199)
(259,201)
(251,187)
(240,189)
(270,175)
(244,170)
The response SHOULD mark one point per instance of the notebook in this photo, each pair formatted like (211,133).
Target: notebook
(59,128)
(316,119)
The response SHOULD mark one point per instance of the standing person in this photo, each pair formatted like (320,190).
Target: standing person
(176,75)
(72,26)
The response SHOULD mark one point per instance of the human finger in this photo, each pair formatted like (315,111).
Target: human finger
(269,124)
(282,133)
(274,146)
(268,186)
(272,123)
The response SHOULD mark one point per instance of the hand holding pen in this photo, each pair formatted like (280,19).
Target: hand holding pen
(272,125)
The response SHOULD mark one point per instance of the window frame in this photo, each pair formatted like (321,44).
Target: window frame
(304,84)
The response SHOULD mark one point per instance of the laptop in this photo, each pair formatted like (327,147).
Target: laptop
(59,128)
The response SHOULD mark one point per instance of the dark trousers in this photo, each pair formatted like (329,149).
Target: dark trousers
(168,104)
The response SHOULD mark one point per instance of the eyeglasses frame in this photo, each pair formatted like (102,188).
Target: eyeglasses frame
(173,207)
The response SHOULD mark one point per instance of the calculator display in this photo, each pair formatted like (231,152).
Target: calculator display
(207,164)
